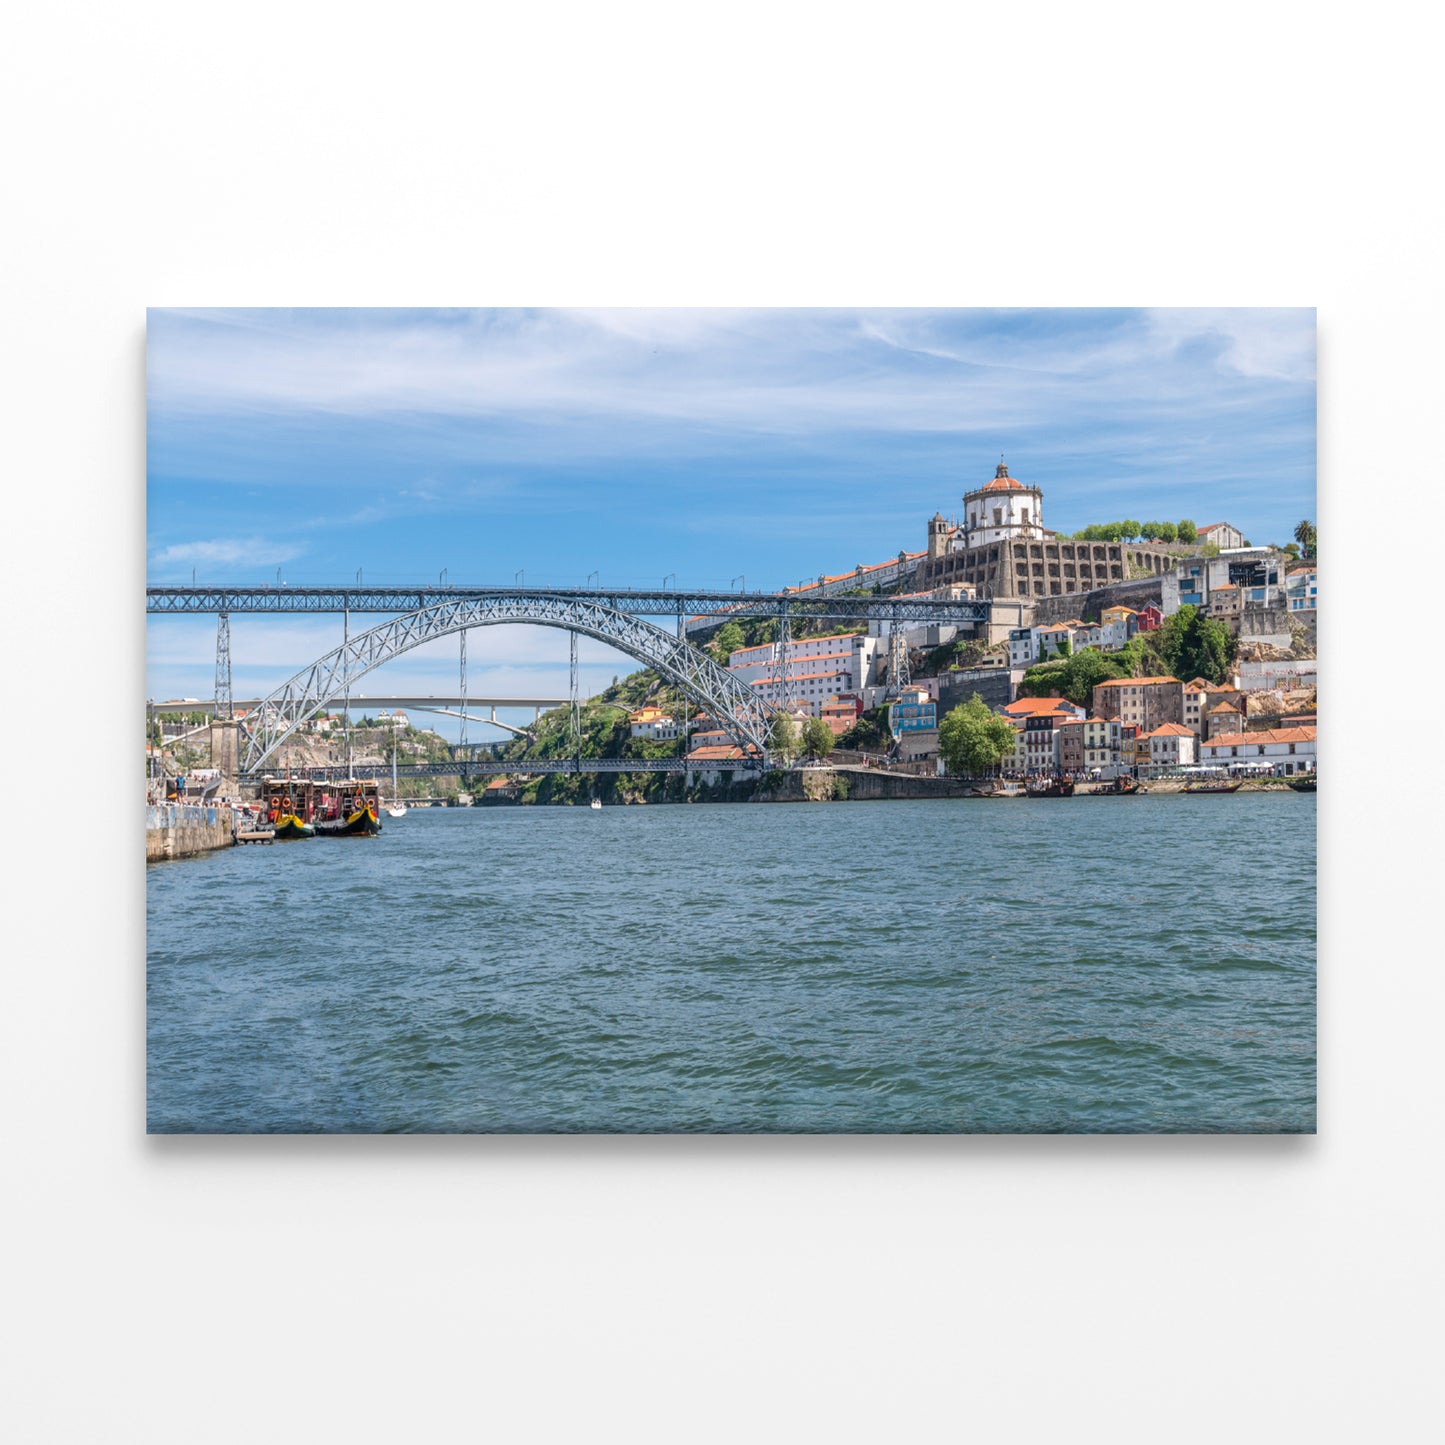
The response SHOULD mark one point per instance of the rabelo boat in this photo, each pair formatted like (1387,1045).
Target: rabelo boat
(1051,788)
(288,805)
(348,809)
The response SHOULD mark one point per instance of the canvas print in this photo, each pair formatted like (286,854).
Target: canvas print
(853,721)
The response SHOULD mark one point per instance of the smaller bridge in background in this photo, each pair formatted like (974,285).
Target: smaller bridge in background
(516,768)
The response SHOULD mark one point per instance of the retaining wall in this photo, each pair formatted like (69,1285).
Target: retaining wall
(864,785)
(181,830)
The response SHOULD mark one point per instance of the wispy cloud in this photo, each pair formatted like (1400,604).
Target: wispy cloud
(226,552)
(579,381)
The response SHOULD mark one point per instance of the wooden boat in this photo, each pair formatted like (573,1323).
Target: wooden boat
(1213,785)
(1120,787)
(1051,788)
(349,809)
(1302,785)
(288,806)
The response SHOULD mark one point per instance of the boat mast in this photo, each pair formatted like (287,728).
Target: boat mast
(346,674)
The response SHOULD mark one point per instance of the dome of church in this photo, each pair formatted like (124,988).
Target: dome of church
(1002,482)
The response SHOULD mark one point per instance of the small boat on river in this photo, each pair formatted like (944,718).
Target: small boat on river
(397,808)
(289,806)
(348,809)
(1212,785)
(1120,787)
(1051,788)
(1302,785)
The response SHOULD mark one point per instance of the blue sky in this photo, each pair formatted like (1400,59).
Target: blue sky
(711,444)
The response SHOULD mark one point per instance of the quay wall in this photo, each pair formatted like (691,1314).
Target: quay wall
(181,830)
(816,785)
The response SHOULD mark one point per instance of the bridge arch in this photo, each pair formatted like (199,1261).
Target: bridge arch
(732,702)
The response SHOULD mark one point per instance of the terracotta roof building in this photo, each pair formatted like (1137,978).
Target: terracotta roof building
(1149,702)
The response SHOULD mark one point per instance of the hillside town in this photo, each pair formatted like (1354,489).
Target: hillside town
(1114,591)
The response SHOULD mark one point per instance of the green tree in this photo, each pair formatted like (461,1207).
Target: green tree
(782,737)
(972,739)
(1291,550)
(1188,532)
(1307,536)
(817,738)
(728,640)
(1194,645)
(1167,532)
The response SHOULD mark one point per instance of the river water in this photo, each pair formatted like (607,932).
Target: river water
(1101,965)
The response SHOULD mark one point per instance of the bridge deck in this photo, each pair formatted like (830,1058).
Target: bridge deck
(640,602)
(536,765)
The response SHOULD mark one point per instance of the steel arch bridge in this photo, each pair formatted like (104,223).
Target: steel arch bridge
(733,703)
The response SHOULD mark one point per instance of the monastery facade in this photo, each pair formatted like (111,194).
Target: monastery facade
(1002,548)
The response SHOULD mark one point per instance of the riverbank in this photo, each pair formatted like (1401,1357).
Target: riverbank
(823,785)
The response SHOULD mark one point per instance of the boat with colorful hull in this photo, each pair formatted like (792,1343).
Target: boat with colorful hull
(348,809)
(288,806)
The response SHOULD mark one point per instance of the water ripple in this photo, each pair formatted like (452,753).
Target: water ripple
(883,967)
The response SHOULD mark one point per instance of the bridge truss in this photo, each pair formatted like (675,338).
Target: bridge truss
(517,769)
(718,692)
(639,602)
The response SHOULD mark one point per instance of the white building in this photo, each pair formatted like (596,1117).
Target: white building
(1222,535)
(816,668)
(1172,745)
(1301,587)
(1286,750)
(653,724)
(1003,510)
(1290,675)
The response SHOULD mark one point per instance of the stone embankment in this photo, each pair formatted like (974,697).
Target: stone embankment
(181,830)
(819,785)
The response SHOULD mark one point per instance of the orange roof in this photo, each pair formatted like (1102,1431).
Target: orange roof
(1171,730)
(1135,682)
(1034,706)
(714,754)
(1222,707)
(1265,735)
